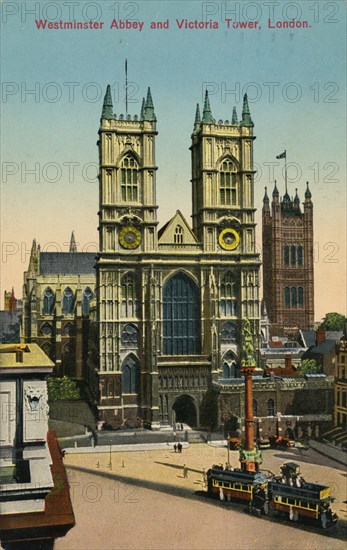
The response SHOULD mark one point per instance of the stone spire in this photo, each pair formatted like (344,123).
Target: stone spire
(207,117)
(73,245)
(246,115)
(149,108)
(266,200)
(308,195)
(234,119)
(197,115)
(107,109)
(275,193)
(142,114)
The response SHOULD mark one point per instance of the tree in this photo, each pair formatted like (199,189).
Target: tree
(333,321)
(309,366)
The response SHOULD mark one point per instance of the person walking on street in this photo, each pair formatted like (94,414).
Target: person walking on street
(175,447)
(185,471)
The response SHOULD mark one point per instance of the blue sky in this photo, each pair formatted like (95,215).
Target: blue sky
(304,68)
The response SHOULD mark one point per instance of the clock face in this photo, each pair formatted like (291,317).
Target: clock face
(229,239)
(129,237)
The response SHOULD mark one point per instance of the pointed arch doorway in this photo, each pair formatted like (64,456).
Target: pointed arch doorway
(184,411)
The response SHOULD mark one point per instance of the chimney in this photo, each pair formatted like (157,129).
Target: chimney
(288,363)
(19,356)
(320,336)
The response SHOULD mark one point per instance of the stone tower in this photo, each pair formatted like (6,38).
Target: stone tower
(288,262)
(127,238)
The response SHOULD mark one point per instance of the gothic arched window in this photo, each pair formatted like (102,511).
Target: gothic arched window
(178,235)
(228,195)
(86,299)
(130,335)
(294,297)
(48,301)
(300,296)
(287,297)
(293,254)
(228,303)
(129,298)
(286,255)
(228,333)
(271,407)
(130,375)
(129,179)
(300,255)
(181,307)
(67,301)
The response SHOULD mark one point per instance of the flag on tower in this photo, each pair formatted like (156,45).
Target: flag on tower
(282,155)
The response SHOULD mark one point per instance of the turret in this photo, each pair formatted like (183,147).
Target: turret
(266,201)
(246,115)
(275,193)
(207,117)
(234,119)
(107,109)
(148,111)
(197,118)
(308,195)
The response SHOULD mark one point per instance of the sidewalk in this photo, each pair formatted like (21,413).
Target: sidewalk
(330,451)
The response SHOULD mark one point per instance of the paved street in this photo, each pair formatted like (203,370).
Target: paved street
(143,501)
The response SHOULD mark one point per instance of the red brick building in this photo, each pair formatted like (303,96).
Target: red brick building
(288,262)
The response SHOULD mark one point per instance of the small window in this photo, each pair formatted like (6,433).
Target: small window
(271,407)
(178,235)
(286,255)
(300,260)
(287,297)
(293,254)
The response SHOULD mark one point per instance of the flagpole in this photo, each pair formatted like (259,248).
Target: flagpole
(285,169)
(126,88)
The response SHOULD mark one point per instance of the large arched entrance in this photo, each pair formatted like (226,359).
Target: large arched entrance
(185,410)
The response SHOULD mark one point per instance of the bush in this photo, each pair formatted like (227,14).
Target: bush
(62,388)
(309,366)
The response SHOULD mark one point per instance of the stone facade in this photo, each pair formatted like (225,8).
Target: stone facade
(57,295)
(171,302)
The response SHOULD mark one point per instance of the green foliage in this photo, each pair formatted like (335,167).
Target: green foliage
(62,388)
(333,321)
(309,366)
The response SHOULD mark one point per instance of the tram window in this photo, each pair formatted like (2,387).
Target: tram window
(291,501)
(311,506)
(237,486)
(245,487)
(304,503)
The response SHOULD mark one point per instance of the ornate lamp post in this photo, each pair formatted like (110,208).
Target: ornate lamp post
(250,455)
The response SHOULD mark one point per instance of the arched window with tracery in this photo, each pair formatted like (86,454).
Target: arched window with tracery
(300,296)
(300,256)
(228,302)
(129,179)
(178,235)
(130,375)
(294,297)
(287,296)
(286,255)
(228,192)
(86,299)
(68,297)
(129,297)
(48,301)
(181,309)
(130,335)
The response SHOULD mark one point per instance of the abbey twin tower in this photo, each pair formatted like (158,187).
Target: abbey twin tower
(153,322)
(170,302)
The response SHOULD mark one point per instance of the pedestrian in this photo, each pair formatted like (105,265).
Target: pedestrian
(181,426)
(185,471)
(175,447)
(179,447)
